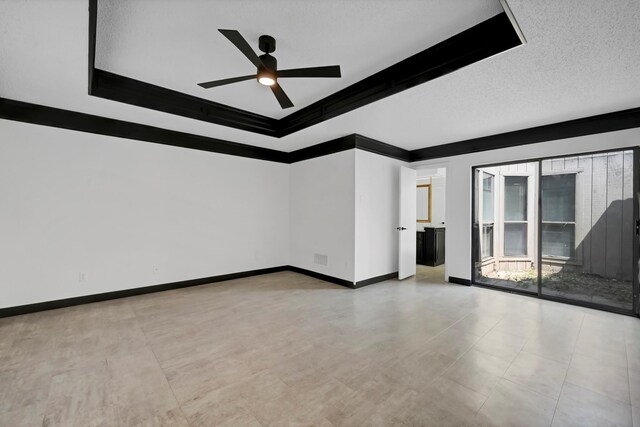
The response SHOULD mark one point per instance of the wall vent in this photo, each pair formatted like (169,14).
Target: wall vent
(319,259)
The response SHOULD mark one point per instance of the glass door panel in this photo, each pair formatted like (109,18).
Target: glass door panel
(587,229)
(505,226)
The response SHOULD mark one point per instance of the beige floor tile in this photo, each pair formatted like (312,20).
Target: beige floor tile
(418,371)
(149,414)
(501,344)
(596,376)
(419,410)
(380,388)
(476,324)
(551,346)
(541,375)
(25,386)
(634,387)
(633,354)
(518,325)
(611,351)
(478,371)
(288,410)
(510,404)
(286,349)
(31,415)
(579,407)
(452,343)
(212,407)
(243,420)
(450,395)
(79,396)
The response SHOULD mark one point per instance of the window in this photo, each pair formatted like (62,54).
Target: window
(515,215)
(559,216)
(487,215)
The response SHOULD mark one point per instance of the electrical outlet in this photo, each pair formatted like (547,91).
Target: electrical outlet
(82,277)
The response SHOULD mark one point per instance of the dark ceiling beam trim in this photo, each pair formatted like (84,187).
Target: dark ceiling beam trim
(65,119)
(619,120)
(119,88)
(93,23)
(493,36)
(382,148)
(486,39)
(337,145)
(135,92)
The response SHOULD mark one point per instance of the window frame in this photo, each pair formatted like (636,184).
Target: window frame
(526,221)
(486,224)
(552,258)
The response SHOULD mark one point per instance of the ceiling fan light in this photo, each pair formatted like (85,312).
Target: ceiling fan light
(266,80)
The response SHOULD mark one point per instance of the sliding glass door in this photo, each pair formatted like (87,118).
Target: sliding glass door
(588,228)
(561,228)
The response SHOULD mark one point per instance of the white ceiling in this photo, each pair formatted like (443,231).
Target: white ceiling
(582,58)
(176,44)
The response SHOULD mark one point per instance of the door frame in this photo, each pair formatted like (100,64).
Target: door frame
(475,240)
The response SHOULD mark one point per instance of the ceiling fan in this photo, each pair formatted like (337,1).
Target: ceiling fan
(267,67)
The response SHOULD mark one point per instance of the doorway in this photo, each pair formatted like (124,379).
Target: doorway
(430,224)
(561,228)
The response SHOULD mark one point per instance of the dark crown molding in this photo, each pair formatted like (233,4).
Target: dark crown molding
(72,120)
(618,120)
(488,38)
(65,119)
(129,91)
(493,36)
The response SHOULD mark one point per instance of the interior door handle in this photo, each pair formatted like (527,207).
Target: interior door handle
(400,228)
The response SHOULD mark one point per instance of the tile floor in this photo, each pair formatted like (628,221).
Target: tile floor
(286,349)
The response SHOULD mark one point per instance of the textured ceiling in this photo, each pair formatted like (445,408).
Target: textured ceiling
(582,58)
(175,44)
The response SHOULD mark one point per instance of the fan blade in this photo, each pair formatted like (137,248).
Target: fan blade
(239,42)
(282,97)
(329,71)
(222,82)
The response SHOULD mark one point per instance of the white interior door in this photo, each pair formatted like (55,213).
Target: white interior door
(407,226)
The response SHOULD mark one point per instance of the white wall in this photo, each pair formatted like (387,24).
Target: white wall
(322,213)
(376,215)
(128,214)
(458,188)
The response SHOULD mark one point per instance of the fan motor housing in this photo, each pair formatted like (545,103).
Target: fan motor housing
(267,44)
(270,62)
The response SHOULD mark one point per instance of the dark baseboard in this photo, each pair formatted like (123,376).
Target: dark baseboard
(459,281)
(86,299)
(377,279)
(321,276)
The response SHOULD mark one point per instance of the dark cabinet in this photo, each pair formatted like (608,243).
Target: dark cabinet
(430,246)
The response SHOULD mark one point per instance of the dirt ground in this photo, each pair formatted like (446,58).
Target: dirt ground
(576,286)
